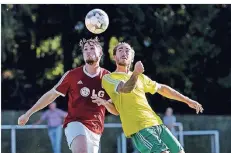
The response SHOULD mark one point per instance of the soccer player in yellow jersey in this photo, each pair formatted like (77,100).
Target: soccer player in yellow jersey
(127,91)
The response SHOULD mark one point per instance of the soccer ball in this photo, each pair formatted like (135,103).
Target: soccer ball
(97,21)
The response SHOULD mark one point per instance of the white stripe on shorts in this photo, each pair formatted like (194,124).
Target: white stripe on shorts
(145,141)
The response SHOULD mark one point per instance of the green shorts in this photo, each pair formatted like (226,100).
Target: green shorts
(156,139)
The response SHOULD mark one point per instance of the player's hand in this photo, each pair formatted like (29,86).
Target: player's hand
(195,105)
(139,68)
(23,119)
(99,101)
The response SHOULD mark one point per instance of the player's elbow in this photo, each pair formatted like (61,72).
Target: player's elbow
(162,89)
(125,90)
(122,88)
(51,95)
(116,113)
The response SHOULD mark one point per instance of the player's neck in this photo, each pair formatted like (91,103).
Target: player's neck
(92,69)
(124,69)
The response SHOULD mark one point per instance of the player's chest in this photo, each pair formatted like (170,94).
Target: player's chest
(87,87)
(139,84)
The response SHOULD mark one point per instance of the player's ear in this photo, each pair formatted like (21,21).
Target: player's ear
(133,56)
(114,58)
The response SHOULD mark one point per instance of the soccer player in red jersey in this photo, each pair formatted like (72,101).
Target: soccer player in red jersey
(84,123)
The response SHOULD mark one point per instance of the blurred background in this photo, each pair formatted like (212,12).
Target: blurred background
(184,46)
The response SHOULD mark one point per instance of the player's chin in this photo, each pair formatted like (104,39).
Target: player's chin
(91,61)
(122,63)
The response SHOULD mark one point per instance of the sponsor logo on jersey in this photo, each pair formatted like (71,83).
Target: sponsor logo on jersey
(85,92)
(80,82)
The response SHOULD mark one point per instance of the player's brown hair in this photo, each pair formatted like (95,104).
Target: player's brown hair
(94,41)
(121,43)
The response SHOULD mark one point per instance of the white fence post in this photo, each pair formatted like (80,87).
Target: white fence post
(13,140)
(124,143)
(217,143)
(119,144)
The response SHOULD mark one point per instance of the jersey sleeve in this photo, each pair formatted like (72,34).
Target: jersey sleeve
(150,85)
(63,85)
(110,85)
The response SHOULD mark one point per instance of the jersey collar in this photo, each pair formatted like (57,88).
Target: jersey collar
(92,76)
(130,72)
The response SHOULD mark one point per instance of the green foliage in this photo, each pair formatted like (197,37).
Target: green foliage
(112,43)
(184,46)
(10,26)
(49,46)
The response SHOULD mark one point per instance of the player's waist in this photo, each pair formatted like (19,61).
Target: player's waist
(131,130)
(96,127)
(138,122)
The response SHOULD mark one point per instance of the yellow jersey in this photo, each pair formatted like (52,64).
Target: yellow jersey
(135,112)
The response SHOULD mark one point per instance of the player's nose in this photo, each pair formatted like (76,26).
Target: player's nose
(88,53)
(123,54)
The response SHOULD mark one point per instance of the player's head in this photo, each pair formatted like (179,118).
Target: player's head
(123,54)
(92,50)
(169,111)
(52,106)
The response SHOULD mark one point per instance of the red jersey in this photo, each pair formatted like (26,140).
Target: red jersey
(80,86)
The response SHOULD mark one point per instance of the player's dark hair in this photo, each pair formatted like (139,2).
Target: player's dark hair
(121,43)
(94,41)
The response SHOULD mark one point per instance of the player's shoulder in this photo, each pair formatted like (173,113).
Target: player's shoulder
(147,78)
(107,76)
(105,71)
(72,73)
(144,77)
(76,70)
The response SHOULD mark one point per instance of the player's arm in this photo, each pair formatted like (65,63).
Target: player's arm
(45,100)
(60,89)
(106,103)
(168,92)
(171,93)
(128,86)
(111,108)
